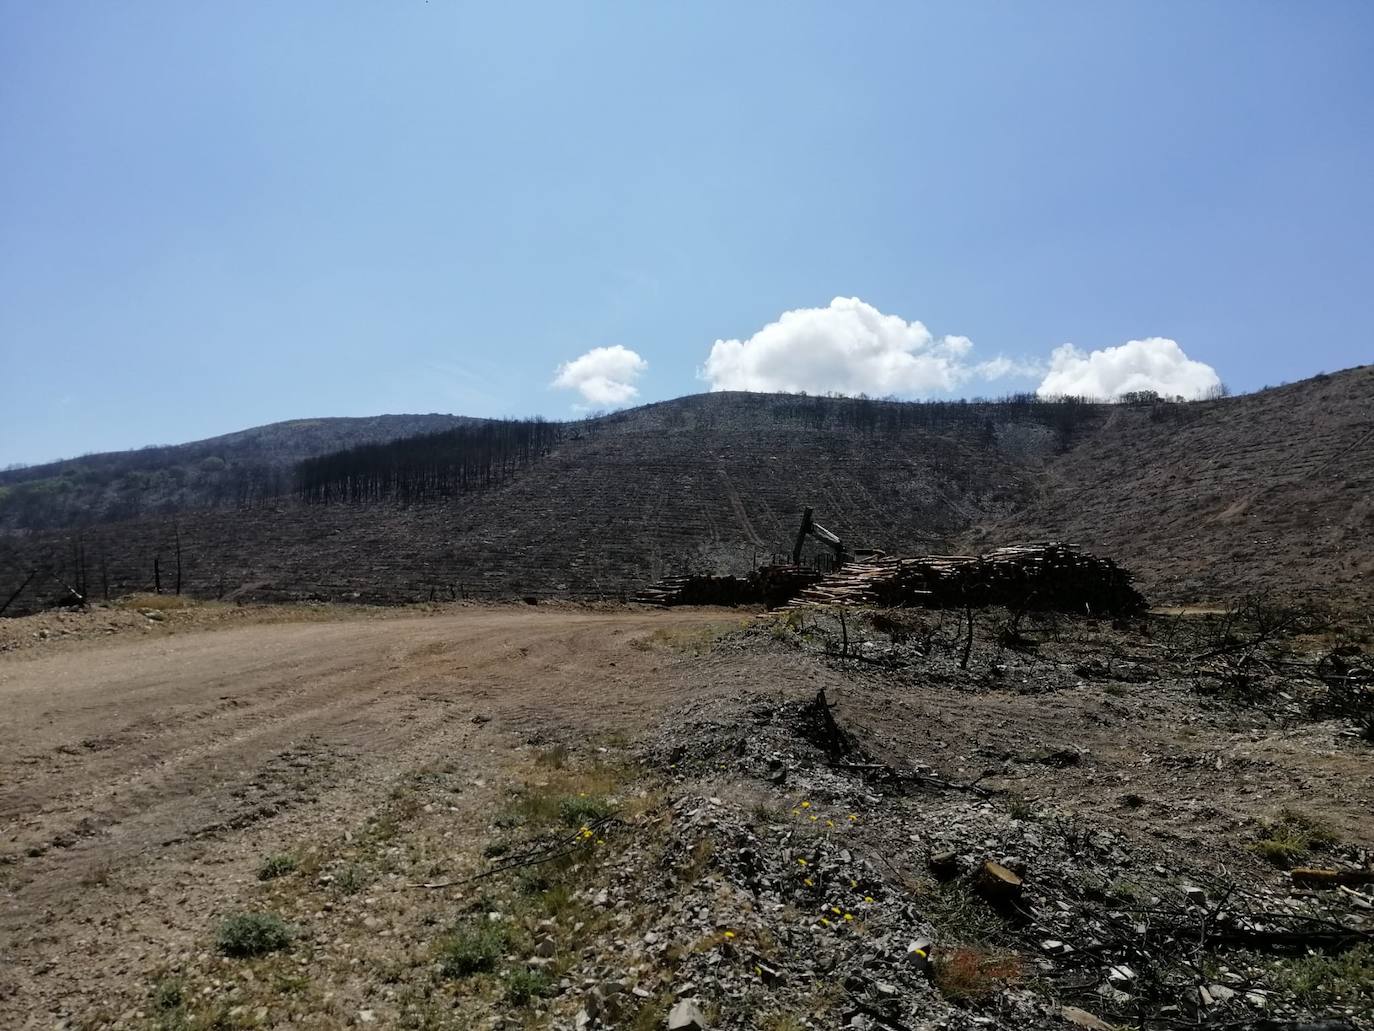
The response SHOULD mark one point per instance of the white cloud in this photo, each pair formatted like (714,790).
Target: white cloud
(1002,366)
(1156,364)
(603,376)
(850,348)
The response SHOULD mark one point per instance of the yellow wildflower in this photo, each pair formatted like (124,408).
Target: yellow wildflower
(729,934)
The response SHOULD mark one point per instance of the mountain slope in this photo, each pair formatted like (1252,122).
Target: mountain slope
(1203,500)
(231,468)
(1271,490)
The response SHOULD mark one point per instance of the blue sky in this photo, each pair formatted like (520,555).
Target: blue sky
(218,215)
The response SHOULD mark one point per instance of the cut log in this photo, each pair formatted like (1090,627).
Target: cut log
(997,884)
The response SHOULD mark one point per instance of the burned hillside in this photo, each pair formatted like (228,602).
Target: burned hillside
(1204,501)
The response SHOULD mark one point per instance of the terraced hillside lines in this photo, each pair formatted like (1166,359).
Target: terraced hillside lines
(1271,490)
(1203,501)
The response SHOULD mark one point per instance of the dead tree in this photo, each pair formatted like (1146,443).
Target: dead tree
(27,580)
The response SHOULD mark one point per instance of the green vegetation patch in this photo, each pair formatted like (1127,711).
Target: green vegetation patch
(243,935)
(1322,980)
(524,986)
(476,948)
(1291,838)
(276,866)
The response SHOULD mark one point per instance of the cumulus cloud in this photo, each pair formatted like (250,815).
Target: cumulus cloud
(849,347)
(603,376)
(1155,363)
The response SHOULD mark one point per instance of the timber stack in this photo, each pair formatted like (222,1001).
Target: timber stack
(1045,576)
(768,585)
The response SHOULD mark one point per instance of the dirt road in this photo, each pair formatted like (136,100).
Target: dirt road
(127,762)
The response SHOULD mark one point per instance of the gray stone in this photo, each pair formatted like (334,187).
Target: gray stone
(686,1016)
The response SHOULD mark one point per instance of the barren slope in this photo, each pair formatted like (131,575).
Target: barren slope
(1204,501)
(1271,491)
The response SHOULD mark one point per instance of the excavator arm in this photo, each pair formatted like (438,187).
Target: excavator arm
(815,529)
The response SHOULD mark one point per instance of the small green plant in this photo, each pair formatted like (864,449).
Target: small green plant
(578,811)
(1320,979)
(764,815)
(252,934)
(1291,837)
(524,986)
(474,949)
(1020,808)
(276,866)
(169,994)
(353,879)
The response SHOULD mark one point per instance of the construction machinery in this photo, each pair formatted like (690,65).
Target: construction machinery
(809,526)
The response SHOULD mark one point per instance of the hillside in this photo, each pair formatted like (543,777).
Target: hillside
(1273,490)
(229,469)
(1203,500)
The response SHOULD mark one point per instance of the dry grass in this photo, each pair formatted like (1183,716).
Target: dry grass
(695,641)
(157,602)
(974,975)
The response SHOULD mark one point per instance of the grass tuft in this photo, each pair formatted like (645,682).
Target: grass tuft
(1321,980)
(1291,838)
(244,935)
(474,949)
(577,811)
(276,866)
(524,986)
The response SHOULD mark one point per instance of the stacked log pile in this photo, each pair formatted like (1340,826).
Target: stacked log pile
(1035,576)
(767,585)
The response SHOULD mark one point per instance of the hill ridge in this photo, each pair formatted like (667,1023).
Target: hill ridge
(1169,490)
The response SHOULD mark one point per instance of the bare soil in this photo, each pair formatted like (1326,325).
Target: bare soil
(142,776)
(148,765)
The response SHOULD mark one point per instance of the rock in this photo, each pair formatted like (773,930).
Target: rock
(1083,1018)
(1220,993)
(545,946)
(918,954)
(686,1016)
(1121,974)
(367,1017)
(1194,894)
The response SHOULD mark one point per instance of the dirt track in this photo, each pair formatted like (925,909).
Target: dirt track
(125,762)
(148,765)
